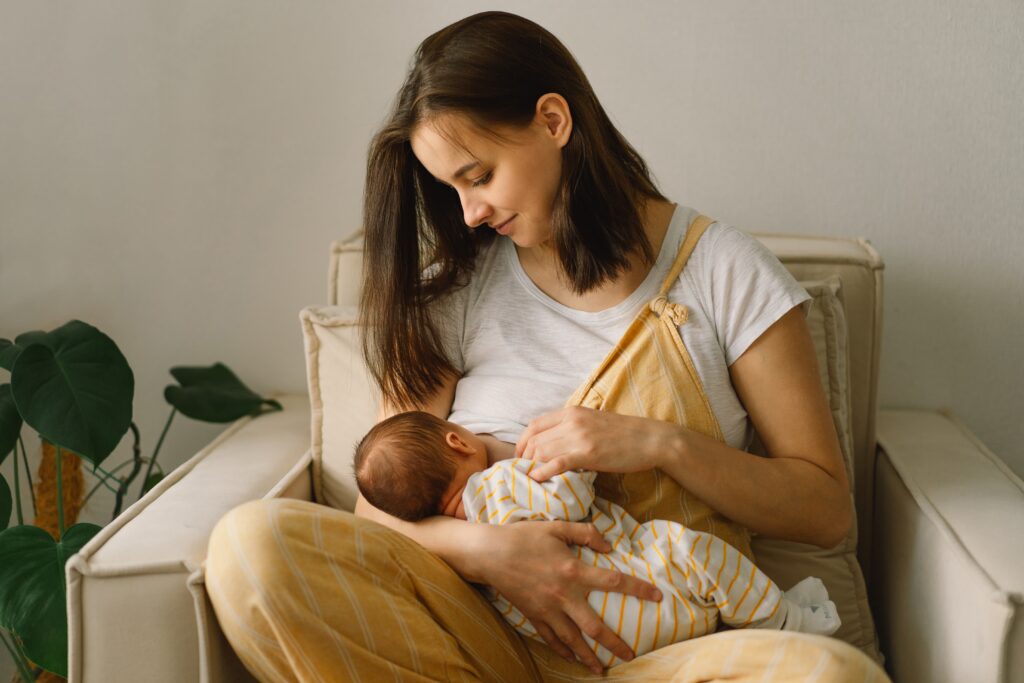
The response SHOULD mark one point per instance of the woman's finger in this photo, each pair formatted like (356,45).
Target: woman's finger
(553,641)
(570,634)
(547,445)
(581,533)
(591,624)
(614,581)
(546,470)
(537,425)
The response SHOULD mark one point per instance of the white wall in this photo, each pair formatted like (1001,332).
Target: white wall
(174,172)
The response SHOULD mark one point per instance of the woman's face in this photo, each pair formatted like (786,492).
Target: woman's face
(498,181)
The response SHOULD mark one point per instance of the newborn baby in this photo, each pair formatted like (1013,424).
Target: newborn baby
(414,465)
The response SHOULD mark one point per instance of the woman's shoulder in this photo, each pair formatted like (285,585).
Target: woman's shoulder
(724,253)
(741,285)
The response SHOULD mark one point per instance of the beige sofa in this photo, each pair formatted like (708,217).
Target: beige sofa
(941,519)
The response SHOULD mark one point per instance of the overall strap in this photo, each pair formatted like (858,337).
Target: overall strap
(693,233)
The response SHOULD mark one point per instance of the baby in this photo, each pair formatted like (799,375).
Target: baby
(414,465)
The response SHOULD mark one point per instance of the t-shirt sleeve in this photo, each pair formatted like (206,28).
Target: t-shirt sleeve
(746,287)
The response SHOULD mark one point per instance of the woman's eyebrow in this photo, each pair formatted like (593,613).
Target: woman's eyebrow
(461,171)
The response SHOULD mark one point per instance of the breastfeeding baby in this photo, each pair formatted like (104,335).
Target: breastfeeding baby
(414,465)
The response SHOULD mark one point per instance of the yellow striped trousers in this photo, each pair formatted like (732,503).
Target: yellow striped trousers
(305,592)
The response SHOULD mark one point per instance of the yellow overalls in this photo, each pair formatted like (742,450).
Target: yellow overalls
(649,373)
(305,592)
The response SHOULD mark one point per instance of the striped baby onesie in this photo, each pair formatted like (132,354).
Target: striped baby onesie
(700,576)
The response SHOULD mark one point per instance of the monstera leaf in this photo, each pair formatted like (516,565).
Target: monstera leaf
(10,422)
(9,350)
(33,601)
(74,387)
(6,503)
(214,394)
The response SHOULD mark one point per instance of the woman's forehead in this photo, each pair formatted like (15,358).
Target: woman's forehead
(444,150)
(446,143)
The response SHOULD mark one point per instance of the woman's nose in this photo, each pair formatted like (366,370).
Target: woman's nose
(475,212)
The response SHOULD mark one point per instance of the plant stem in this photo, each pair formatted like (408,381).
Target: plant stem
(19,659)
(103,480)
(110,474)
(28,473)
(136,466)
(17,485)
(60,498)
(156,450)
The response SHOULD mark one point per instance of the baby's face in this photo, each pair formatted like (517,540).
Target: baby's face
(471,454)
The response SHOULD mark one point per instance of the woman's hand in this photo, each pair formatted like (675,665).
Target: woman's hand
(531,564)
(597,440)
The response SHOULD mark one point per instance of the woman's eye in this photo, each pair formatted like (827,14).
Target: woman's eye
(483,179)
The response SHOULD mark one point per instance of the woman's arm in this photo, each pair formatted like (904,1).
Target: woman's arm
(799,493)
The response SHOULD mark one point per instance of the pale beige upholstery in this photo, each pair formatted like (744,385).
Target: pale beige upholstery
(941,519)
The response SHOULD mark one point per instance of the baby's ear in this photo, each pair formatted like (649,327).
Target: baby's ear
(456,442)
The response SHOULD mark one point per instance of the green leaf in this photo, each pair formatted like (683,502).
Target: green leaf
(10,422)
(33,602)
(214,394)
(75,387)
(6,503)
(8,352)
(151,481)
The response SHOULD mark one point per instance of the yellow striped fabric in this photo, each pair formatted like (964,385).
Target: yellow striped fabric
(700,576)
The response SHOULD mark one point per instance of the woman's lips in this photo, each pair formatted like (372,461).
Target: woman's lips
(503,228)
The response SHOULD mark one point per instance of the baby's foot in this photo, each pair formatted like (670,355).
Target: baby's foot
(810,591)
(822,619)
(810,610)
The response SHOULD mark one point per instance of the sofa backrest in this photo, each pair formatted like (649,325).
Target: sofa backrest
(808,258)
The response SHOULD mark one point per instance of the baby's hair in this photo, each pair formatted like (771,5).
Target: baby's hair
(403,465)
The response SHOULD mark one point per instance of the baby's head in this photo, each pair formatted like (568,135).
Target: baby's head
(414,465)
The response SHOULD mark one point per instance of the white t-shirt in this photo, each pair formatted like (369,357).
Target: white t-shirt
(521,353)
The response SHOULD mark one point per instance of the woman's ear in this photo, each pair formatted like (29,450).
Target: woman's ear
(553,111)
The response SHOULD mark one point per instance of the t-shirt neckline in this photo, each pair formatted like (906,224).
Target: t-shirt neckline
(644,291)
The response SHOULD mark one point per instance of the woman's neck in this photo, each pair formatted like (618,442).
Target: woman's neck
(542,266)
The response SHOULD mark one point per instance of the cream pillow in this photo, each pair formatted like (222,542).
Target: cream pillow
(343,406)
(343,400)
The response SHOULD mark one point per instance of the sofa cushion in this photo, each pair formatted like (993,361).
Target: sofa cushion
(343,407)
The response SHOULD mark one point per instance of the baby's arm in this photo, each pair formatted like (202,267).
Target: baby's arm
(566,496)
(505,493)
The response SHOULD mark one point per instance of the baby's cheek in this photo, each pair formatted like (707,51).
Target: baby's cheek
(460,511)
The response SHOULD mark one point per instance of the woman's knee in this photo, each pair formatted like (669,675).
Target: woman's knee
(253,543)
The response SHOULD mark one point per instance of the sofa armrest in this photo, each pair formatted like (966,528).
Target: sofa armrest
(948,553)
(135,612)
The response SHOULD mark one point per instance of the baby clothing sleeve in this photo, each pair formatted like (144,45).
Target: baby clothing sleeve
(505,493)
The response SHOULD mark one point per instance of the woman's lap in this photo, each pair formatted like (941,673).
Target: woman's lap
(368,603)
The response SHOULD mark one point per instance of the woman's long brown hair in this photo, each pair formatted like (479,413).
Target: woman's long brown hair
(490,68)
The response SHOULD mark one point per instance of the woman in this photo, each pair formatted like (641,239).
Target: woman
(512,235)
